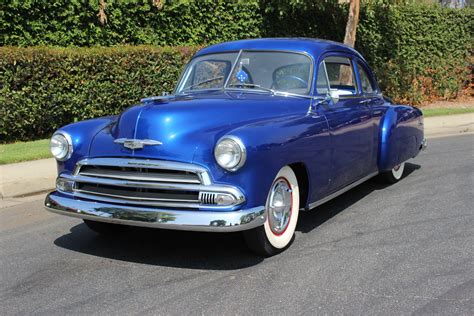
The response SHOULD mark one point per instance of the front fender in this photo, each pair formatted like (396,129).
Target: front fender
(82,134)
(400,136)
(270,145)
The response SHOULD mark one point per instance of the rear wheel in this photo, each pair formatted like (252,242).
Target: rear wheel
(102,228)
(393,175)
(282,209)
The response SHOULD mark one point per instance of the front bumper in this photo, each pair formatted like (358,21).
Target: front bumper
(192,220)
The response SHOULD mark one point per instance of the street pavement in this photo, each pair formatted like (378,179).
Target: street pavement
(391,250)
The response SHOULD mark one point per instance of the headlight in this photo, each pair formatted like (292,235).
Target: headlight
(61,146)
(230,153)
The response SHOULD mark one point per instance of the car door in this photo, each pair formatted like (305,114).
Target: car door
(369,89)
(349,118)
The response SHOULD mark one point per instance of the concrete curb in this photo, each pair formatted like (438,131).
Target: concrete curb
(27,178)
(449,125)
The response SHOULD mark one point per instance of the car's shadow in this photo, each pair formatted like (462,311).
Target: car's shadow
(195,250)
(312,219)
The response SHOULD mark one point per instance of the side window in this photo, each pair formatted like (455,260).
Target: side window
(341,75)
(365,82)
(322,84)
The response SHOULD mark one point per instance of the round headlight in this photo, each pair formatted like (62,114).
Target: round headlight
(61,146)
(230,153)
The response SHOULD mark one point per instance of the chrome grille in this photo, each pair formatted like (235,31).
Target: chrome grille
(150,183)
(139,174)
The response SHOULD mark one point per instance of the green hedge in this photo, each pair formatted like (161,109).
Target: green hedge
(45,88)
(135,22)
(419,53)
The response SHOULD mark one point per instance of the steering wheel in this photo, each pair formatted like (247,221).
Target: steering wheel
(302,83)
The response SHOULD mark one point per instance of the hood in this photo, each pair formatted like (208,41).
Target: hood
(185,124)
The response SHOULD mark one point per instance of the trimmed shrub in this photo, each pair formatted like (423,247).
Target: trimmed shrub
(133,22)
(45,88)
(419,53)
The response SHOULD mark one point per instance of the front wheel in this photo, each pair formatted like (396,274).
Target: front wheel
(282,209)
(393,175)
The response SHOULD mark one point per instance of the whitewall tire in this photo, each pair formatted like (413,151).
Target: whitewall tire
(282,210)
(394,175)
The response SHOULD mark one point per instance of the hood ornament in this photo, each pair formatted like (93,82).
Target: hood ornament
(137,143)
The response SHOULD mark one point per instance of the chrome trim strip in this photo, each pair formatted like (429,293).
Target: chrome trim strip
(144,177)
(112,201)
(87,194)
(144,163)
(155,185)
(341,191)
(157,218)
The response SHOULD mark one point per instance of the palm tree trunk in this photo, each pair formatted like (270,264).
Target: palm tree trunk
(102,16)
(345,76)
(352,21)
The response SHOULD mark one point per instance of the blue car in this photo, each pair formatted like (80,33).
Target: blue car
(255,132)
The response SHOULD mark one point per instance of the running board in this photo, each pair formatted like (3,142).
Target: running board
(341,191)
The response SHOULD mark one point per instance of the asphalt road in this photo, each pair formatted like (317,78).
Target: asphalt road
(402,249)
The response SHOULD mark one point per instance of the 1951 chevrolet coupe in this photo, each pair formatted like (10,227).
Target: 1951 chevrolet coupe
(255,132)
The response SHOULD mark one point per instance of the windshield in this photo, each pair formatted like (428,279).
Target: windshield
(250,70)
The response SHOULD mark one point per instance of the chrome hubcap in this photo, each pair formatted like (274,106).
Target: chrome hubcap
(279,206)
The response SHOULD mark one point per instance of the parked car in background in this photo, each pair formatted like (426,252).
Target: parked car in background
(255,132)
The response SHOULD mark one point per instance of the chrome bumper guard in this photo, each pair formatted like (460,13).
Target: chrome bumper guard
(424,144)
(190,220)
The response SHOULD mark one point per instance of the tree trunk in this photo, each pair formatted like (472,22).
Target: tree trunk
(345,75)
(101,14)
(352,21)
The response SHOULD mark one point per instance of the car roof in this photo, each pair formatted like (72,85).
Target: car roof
(311,46)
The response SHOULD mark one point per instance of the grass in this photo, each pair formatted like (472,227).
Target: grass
(39,149)
(24,151)
(446,111)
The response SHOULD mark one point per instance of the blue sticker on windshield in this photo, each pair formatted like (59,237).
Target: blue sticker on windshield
(242,76)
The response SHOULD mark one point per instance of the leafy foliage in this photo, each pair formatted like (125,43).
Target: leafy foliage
(76,23)
(418,52)
(45,88)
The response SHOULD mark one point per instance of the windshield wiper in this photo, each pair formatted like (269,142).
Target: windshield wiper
(251,85)
(201,83)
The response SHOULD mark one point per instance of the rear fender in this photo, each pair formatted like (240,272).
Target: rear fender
(401,135)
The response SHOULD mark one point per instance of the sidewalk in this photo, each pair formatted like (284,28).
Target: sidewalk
(449,125)
(26,178)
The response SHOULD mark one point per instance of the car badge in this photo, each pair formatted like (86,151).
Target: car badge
(134,144)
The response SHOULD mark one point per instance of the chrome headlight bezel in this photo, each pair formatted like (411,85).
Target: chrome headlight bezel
(236,143)
(65,139)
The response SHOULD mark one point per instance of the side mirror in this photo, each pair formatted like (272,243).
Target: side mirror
(333,95)
(165,93)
